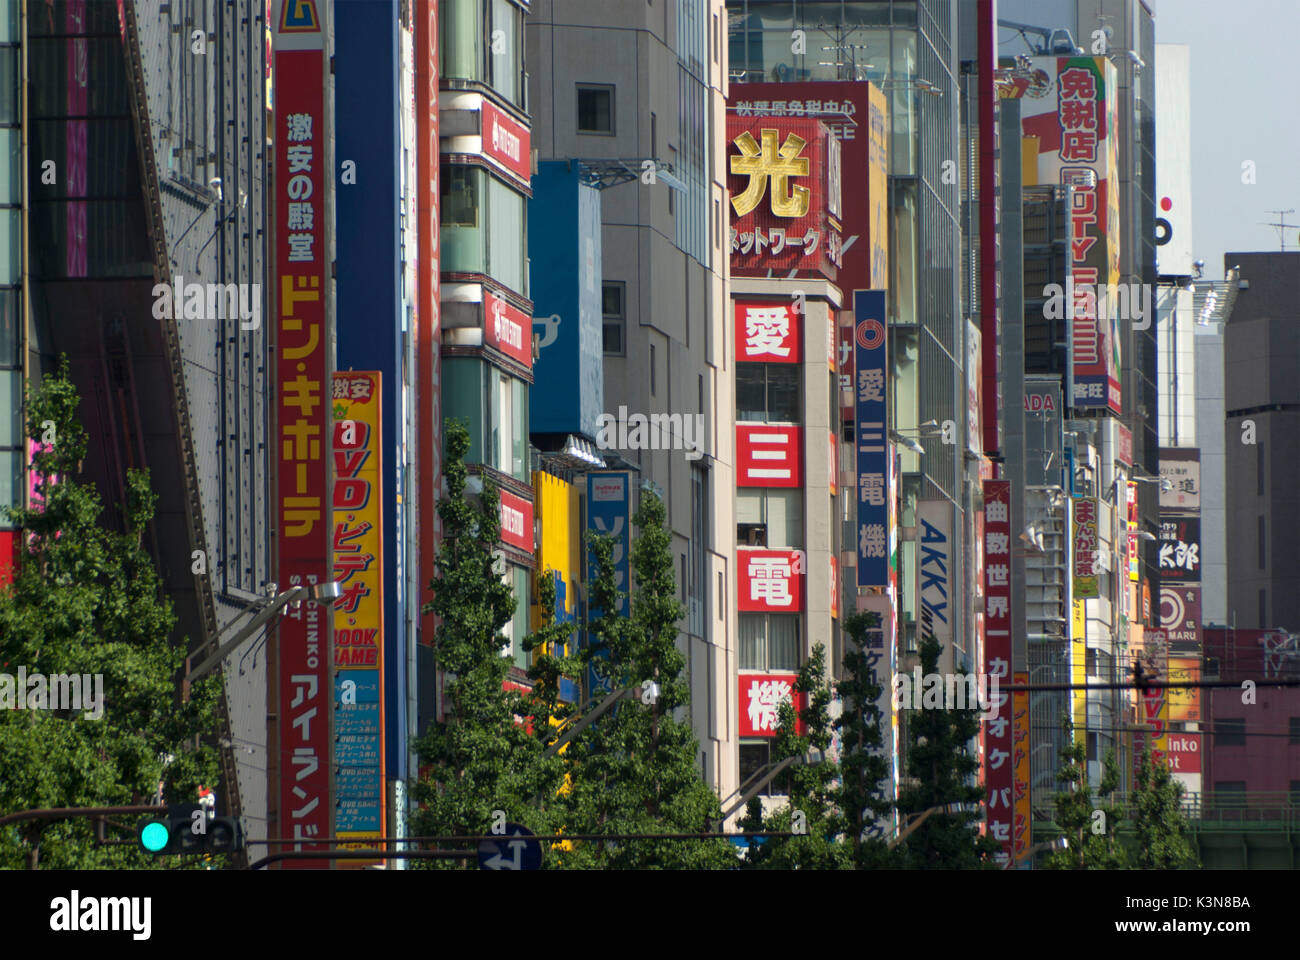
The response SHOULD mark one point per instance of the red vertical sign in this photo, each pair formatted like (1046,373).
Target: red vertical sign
(999,750)
(303,686)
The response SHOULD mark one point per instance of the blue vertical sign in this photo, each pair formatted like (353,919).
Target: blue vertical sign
(871,355)
(609,512)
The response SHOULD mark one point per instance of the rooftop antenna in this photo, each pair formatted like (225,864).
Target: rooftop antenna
(1281,226)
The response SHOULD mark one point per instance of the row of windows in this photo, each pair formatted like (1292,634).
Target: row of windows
(484,227)
(494,57)
(1231,732)
(495,405)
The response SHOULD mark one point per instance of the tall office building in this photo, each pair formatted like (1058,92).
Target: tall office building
(1261,442)
(632,95)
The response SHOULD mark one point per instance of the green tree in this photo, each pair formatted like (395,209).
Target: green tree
(863,765)
(480,756)
(943,772)
(1158,819)
(87,600)
(1088,824)
(810,788)
(635,770)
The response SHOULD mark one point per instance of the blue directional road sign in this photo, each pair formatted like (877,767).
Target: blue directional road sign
(516,849)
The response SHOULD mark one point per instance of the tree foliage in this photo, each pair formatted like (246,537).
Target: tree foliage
(486,752)
(87,600)
(1088,823)
(636,769)
(943,772)
(1158,819)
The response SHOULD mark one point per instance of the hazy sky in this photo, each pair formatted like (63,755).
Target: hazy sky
(1245,60)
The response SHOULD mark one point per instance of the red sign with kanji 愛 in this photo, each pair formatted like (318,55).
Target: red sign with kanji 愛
(768,331)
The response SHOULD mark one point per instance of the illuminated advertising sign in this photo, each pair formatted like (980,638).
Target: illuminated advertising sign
(1184,702)
(302,408)
(1180,548)
(559,551)
(1181,467)
(564,249)
(516,521)
(1132,525)
(771,581)
(761,696)
(858,118)
(1184,753)
(782,172)
(1180,616)
(934,572)
(769,456)
(1085,547)
(357,504)
(1020,758)
(1153,703)
(874,538)
(1000,761)
(834,464)
(835,587)
(507,328)
(1073,116)
(768,331)
(506,142)
(880,649)
(844,341)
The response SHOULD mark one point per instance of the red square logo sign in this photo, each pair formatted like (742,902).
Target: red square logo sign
(761,696)
(769,456)
(767,331)
(771,581)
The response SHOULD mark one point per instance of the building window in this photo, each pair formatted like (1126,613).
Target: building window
(482,41)
(1262,550)
(595,109)
(1295,793)
(1230,793)
(767,392)
(517,629)
(613,309)
(769,641)
(494,404)
(1294,731)
(699,549)
(1230,733)
(471,200)
(1259,468)
(652,369)
(769,517)
(1263,608)
(755,755)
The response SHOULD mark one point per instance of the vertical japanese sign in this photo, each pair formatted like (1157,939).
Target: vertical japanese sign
(1180,548)
(871,449)
(1153,702)
(934,568)
(609,512)
(881,652)
(1131,526)
(357,503)
(1020,760)
(302,416)
(1074,118)
(1085,547)
(999,733)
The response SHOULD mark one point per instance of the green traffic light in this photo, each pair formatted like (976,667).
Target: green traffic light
(154,836)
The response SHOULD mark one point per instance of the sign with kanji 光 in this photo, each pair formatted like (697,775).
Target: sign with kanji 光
(871,447)
(784,182)
(771,581)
